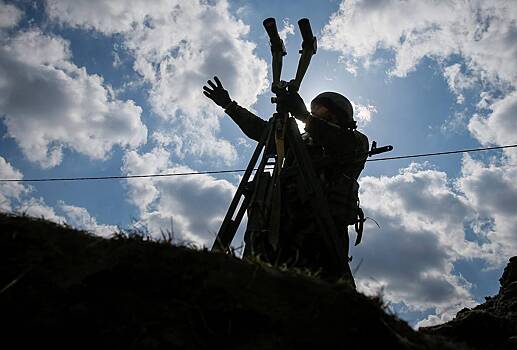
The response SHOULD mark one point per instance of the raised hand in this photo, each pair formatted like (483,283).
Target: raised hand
(217,93)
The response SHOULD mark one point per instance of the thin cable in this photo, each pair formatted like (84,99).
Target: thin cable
(238,170)
(442,153)
(118,177)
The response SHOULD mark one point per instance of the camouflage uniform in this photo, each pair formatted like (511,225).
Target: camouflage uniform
(338,157)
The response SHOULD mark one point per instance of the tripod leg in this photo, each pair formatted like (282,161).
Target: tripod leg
(258,212)
(229,226)
(261,205)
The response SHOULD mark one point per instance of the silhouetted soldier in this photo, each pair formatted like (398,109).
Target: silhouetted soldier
(338,152)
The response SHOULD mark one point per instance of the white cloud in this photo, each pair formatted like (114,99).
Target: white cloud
(363,113)
(244,11)
(482,32)
(176,62)
(37,207)
(10,15)
(499,128)
(15,197)
(76,217)
(412,255)
(485,100)
(492,191)
(458,81)
(117,62)
(105,16)
(143,192)
(288,29)
(10,191)
(196,204)
(80,218)
(418,195)
(456,123)
(49,103)
(424,216)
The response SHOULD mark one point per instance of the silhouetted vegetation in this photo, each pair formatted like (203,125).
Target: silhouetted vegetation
(64,287)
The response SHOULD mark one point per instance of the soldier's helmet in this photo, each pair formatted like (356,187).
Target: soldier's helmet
(340,106)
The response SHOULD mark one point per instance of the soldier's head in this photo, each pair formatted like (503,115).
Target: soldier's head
(335,108)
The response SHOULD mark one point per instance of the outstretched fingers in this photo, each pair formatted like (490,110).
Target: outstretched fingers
(218,82)
(208,92)
(207,89)
(212,85)
(213,91)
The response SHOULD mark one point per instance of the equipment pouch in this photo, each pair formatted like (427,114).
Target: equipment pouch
(343,199)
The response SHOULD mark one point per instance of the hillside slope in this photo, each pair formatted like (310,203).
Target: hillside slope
(491,325)
(62,287)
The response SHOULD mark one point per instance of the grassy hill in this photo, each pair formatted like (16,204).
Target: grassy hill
(63,287)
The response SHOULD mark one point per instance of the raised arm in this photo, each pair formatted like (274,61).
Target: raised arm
(249,123)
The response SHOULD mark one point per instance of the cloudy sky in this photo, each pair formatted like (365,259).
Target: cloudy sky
(99,88)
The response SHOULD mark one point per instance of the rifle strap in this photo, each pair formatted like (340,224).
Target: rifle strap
(277,199)
(359,226)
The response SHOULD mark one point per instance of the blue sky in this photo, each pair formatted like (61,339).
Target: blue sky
(93,88)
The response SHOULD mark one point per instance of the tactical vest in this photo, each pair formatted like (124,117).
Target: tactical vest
(338,176)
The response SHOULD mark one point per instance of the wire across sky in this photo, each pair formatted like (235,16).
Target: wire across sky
(121,177)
